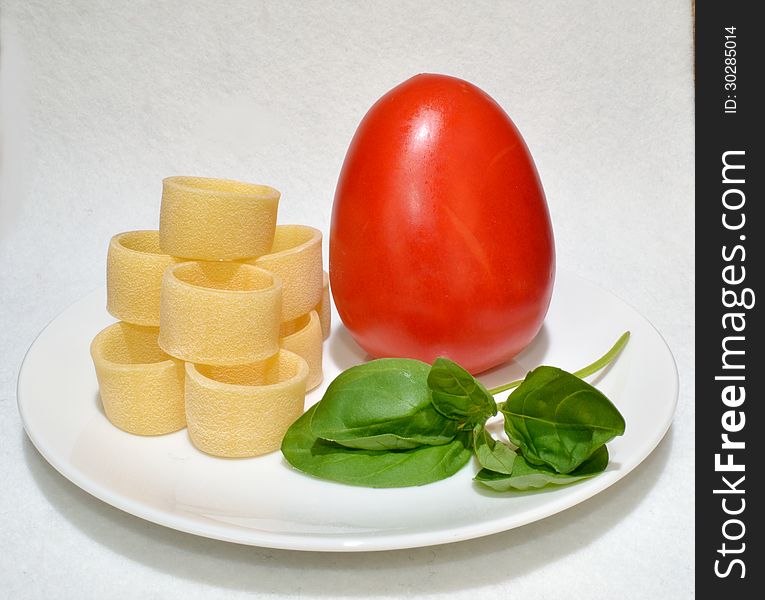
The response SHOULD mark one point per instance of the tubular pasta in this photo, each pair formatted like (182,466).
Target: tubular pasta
(303,337)
(244,410)
(216,219)
(296,258)
(141,387)
(324,309)
(219,313)
(134,267)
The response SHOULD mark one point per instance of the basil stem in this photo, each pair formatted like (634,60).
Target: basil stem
(594,367)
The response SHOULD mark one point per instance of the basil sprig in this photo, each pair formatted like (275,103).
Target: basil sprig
(525,476)
(400,422)
(492,454)
(556,419)
(321,458)
(384,404)
(458,395)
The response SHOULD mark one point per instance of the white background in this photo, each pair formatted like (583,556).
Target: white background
(101,100)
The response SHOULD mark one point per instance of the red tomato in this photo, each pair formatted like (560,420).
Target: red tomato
(440,242)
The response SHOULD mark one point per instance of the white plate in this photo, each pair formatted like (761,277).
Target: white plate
(264,502)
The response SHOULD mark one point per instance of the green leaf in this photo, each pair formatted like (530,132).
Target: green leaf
(372,468)
(458,395)
(384,404)
(556,419)
(492,454)
(528,477)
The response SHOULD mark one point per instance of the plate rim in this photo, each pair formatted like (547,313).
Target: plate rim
(329,543)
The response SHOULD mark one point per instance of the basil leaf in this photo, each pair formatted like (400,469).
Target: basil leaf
(372,468)
(556,419)
(382,405)
(492,454)
(458,395)
(528,477)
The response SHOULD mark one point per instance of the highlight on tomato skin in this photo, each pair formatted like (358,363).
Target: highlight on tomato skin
(440,242)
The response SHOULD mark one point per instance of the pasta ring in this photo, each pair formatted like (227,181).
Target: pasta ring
(296,258)
(216,219)
(219,313)
(324,309)
(303,337)
(141,387)
(244,410)
(134,267)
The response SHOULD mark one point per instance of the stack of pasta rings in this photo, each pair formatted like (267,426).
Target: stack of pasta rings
(222,317)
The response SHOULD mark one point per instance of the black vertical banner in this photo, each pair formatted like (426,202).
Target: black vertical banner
(729,268)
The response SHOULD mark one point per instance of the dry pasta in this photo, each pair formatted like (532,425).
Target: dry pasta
(296,258)
(134,267)
(141,387)
(244,410)
(324,309)
(216,219)
(219,313)
(303,337)
(222,317)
